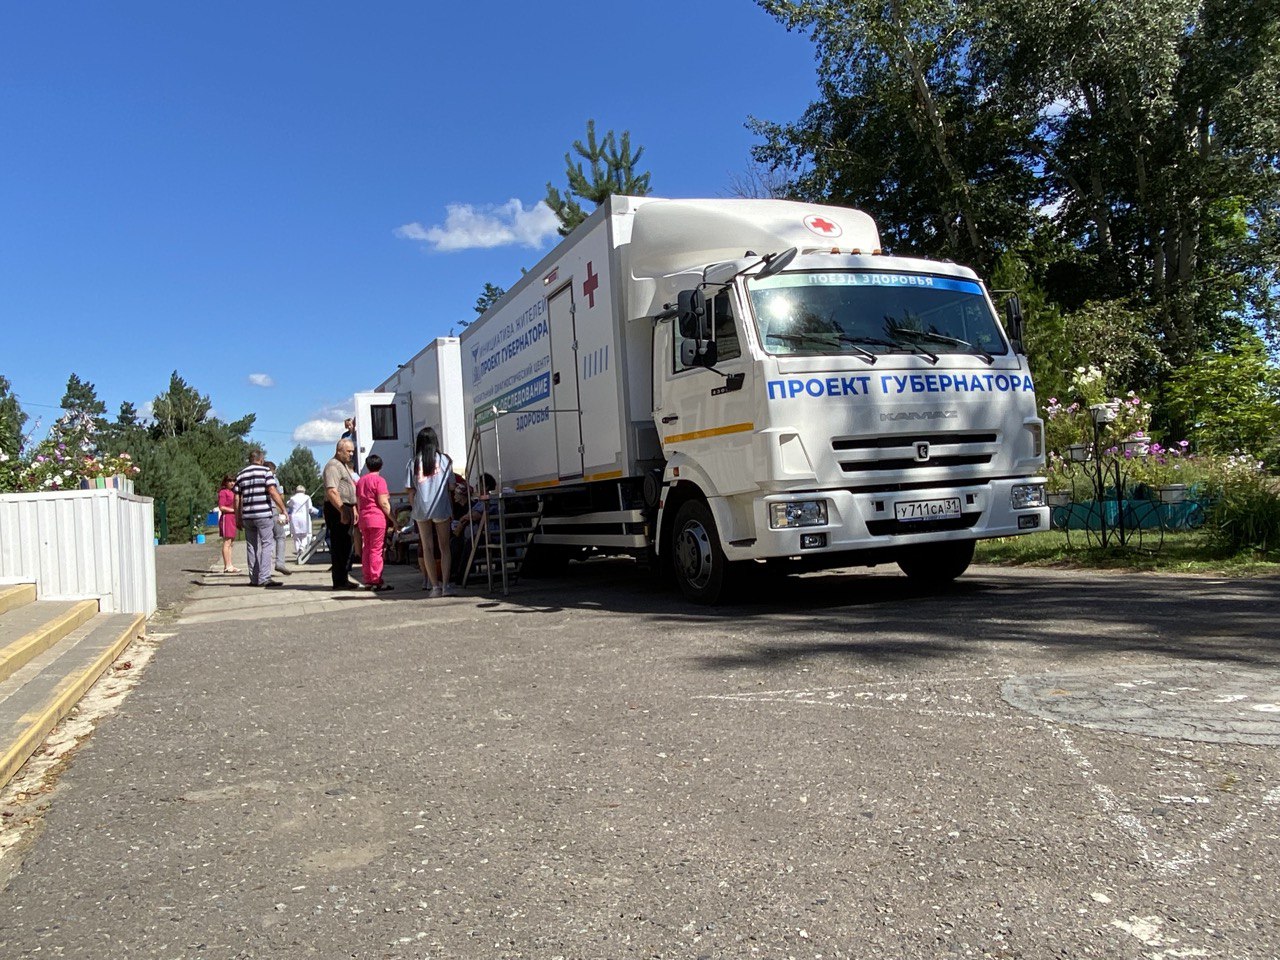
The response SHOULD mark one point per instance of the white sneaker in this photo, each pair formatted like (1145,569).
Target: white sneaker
(450,590)
(435,592)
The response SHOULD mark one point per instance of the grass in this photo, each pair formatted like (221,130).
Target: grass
(1180,553)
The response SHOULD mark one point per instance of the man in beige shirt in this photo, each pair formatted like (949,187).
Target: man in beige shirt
(340,512)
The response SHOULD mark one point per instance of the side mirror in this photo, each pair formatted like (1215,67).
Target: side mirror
(692,311)
(1013,318)
(698,353)
(777,262)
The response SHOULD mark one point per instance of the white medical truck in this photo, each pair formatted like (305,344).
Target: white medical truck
(425,390)
(714,383)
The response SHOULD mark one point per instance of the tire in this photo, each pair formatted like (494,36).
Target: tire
(697,560)
(935,564)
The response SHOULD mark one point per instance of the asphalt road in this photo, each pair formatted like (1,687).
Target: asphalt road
(1033,764)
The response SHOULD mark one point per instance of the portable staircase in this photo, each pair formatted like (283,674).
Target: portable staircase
(511,520)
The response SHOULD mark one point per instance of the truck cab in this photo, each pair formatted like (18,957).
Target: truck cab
(848,408)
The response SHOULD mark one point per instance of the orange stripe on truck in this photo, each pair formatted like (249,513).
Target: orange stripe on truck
(712,432)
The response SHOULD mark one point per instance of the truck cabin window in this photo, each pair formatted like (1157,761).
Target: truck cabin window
(725,333)
(808,314)
(383,422)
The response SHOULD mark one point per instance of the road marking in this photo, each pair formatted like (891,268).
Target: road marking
(864,699)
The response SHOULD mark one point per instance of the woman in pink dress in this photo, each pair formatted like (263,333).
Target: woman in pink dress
(373,515)
(227,521)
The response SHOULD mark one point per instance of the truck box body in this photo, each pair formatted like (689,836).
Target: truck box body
(553,355)
(858,405)
(426,391)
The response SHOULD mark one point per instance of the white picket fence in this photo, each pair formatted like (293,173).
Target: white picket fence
(81,545)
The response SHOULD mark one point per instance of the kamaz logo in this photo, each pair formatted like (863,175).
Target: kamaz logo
(925,415)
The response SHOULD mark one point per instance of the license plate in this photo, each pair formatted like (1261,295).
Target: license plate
(947,508)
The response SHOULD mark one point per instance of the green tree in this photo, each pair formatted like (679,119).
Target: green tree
(125,433)
(1160,133)
(907,128)
(81,396)
(300,470)
(613,171)
(12,420)
(178,409)
(489,296)
(80,428)
(1228,400)
(173,476)
(185,452)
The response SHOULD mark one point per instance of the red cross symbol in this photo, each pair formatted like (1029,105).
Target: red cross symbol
(590,285)
(822,226)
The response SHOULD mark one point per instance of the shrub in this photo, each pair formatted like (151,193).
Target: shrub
(1246,513)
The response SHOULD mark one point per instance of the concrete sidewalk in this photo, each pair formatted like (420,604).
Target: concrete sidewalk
(305,589)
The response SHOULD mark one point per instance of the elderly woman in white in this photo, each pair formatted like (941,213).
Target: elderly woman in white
(301,513)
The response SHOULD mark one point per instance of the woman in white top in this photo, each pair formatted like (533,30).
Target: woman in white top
(431,480)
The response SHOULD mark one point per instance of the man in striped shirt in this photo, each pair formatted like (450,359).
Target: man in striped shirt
(256,489)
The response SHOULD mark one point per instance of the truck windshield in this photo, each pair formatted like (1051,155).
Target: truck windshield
(803,314)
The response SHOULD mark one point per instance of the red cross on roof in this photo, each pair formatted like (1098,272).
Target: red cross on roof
(590,285)
(823,227)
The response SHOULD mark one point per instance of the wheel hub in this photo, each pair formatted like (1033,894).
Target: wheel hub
(693,554)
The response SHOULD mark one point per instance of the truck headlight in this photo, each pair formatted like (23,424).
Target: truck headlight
(798,513)
(1025,495)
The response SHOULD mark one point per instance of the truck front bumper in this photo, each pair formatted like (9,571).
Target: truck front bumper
(869,521)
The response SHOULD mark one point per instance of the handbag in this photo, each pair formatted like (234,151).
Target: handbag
(347,514)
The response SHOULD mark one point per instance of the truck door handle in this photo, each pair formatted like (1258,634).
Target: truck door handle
(671,419)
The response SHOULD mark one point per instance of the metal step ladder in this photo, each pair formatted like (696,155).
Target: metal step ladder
(511,519)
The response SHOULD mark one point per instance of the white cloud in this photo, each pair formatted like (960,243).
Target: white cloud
(467,227)
(318,431)
(261,380)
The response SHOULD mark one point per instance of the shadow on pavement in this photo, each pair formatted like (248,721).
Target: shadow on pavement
(884,617)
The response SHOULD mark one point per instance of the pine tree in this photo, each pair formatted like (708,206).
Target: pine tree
(613,171)
(300,470)
(12,420)
(490,295)
(179,409)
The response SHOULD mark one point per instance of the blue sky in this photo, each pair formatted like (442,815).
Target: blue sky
(283,201)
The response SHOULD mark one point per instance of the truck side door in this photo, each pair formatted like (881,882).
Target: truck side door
(564,382)
(705,414)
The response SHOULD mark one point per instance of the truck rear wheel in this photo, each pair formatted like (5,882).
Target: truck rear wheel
(696,558)
(937,563)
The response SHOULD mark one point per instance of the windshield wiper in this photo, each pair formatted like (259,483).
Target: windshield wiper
(828,339)
(943,338)
(913,347)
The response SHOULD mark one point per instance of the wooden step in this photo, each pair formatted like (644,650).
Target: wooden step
(17,595)
(32,628)
(44,689)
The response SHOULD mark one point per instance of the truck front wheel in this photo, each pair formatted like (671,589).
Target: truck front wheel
(937,563)
(696,558)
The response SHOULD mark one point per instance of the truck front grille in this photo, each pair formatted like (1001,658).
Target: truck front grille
(881,454)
